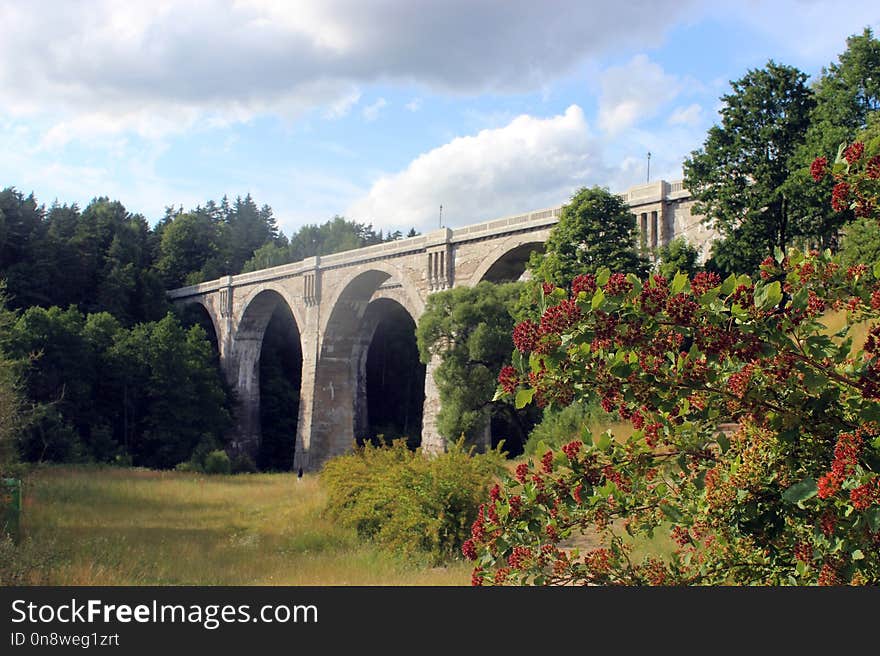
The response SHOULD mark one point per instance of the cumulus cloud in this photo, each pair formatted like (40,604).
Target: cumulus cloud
(530,163)
(633,92)
(414,105)
(232,59)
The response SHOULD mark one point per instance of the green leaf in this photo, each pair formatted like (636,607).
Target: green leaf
(518,362)
(598,299)
(523,398)
(671,512)
(604,441)
(723,442)
(678,283)
(728,285)
(499,393)
(799,299)
(857,554)
(768,296)
(778,254)
(877,270)
(602,276)
(873,517)
(801,491)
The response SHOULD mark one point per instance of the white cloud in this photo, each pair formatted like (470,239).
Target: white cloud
(528,164)
(371,112)
(414,105)
(150,67)
(690,115)
(633,92)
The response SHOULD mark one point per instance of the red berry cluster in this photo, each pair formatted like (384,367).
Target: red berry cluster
(854,152)
(818,168)
(477,576)
(558,318)
(828,575)
(509,379)
(598,560)
(617,285)
(743,296)
(681,308)
(872,168)
(840,196)
(864,496)
(846,454)
(704,281)
(522,472)
(681,536)
(738,383)
(519,557)
(547,462)
(803,551)
(525,336)
(583,283)
(653,296)
(469,550)
(548,288)
(571,449)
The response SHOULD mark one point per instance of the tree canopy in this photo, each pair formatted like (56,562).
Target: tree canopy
(596,229)
(738,176)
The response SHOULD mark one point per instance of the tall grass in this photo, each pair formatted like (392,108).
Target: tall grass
(110,526)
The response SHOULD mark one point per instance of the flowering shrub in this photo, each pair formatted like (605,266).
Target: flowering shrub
(856,171)
(788,494)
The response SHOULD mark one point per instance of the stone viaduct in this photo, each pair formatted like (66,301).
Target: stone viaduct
(338,300)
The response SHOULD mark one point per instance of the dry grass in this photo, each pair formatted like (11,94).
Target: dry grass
(108,526)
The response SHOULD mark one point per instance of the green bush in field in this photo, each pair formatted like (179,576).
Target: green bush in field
(560,426)
(408,502)
(217,462)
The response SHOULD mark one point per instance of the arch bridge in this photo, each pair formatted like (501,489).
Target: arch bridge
(338,301)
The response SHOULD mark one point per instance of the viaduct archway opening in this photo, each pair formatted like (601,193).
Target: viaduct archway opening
(280,383)
(512,264)
(394,382)
(269,373)
(196,314)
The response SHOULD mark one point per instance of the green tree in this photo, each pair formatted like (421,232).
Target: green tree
(847,95)
(678,255)
(191,250)
(11,401)
(470,328)
(738,176)
(596,229)
(860,243)
(23,261)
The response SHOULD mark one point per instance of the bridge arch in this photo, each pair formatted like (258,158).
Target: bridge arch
(267,313)
(358,310)
(197,311)
(506,261)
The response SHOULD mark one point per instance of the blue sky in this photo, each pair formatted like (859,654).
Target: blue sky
(380,111)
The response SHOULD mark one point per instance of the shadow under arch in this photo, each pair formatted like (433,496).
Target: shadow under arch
(340,407)
(508,263)
(267,363)
(390,378)
(196,313)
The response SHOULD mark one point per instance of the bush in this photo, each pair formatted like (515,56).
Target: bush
(561,426)
(217,462)
(243,464)
(412,504)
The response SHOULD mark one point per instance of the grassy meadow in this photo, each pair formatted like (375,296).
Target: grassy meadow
(87,525)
